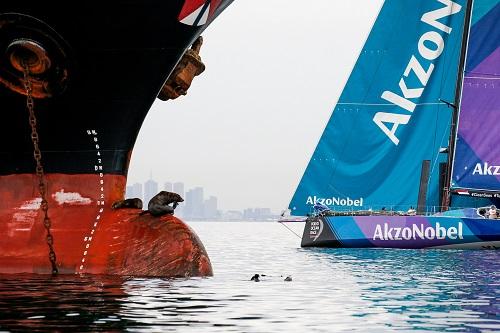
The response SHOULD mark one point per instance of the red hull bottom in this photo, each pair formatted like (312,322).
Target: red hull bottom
(90,237)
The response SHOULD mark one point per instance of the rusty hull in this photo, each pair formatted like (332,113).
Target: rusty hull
(90,237)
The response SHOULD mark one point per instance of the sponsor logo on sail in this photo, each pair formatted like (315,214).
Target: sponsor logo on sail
(335,201)
(484,169)
(417,231)
(419,69)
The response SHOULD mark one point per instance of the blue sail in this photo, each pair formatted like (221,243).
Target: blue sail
(390,119)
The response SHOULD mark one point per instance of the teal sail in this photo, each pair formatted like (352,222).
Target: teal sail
(381,146)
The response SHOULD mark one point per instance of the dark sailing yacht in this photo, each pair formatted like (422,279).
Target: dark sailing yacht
(76,82)
(391,169)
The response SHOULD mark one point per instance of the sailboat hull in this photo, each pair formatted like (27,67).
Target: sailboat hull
(407,232)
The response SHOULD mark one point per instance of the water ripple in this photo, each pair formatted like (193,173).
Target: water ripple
(333,290)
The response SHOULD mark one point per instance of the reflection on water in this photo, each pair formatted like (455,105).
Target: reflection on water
(423,289)
(372,290)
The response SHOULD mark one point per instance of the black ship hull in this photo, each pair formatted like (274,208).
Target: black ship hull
(95,68)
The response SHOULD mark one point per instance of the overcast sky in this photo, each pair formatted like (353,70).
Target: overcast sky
(249,124)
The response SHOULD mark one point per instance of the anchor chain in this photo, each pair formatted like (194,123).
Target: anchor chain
(42,187)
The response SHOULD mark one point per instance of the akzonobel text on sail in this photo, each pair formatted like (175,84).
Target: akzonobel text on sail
(334,201)
(484,169)
(430,48)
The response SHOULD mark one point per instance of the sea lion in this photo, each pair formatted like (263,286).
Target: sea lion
(159,204)
(255,278)
(127,203)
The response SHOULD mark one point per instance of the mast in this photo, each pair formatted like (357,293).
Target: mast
(458,94)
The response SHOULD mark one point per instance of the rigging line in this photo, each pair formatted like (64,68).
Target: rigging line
(436,130)
(447,62)
(435,162)
(293,232)
(388,104)
(482,77)
(458,98)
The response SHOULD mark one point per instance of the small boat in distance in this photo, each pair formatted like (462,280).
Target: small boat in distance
(413,138)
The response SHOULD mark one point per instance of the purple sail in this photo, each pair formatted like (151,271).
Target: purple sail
(477,155)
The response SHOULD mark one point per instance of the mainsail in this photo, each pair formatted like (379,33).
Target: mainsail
(476,164)
(381,146)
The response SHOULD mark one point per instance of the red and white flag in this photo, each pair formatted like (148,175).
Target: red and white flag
(198,12)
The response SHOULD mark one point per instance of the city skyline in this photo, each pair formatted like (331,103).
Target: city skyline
(196,205)
(249,124)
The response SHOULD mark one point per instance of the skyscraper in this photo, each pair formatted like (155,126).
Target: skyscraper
(129,192)
(168,187)
(210,208)
(194,203)
(179,188)
(248,213)
(150,190)
(198,202)
(134,191)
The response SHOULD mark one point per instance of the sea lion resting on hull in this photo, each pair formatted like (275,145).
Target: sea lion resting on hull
(127,203)
(159,204)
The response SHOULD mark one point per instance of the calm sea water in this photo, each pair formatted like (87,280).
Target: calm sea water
(334,290)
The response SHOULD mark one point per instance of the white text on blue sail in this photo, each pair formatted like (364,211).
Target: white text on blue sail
(430,48)
(486,170)
(335,201)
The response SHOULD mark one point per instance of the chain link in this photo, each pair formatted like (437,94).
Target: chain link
(37,154)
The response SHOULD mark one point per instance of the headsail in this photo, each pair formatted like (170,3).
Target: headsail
(476,164)
(389,124)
